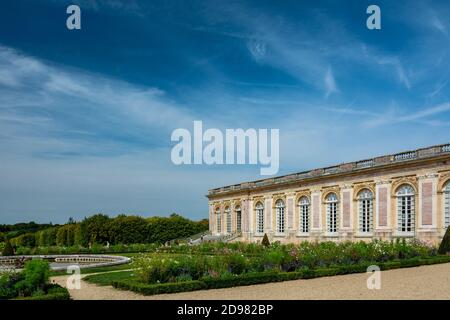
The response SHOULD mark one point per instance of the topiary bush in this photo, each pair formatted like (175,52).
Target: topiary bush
(444,248)
(265,241)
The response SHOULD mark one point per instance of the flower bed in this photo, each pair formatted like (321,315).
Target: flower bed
(267,276)
(219,265)
(237,259)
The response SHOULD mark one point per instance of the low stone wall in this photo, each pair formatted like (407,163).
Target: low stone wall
(82,260)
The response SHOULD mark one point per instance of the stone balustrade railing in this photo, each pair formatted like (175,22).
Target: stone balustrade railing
(191,239)
(345,167)
(224,237)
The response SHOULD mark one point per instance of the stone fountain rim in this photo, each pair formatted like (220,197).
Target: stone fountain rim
(119,260)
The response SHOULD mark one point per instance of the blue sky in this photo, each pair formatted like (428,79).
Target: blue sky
(86,116)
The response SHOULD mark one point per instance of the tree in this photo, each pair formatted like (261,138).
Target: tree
(25,240)
(39,238)
(95,229)
(161,229)
(78,235)
(71,228)
(50,236)
(128,229)
(203,225)
(8,250)
(61,236)
(47,237)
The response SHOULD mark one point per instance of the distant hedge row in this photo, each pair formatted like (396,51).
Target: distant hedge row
(101,229)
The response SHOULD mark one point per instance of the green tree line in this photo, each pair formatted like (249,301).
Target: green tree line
(101,229)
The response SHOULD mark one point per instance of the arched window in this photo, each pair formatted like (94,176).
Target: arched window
(280,212)
(238,218)
(447,205)
(228,217)
(304,214)
(405,208)
(218,221)
(259,217)
(365,199)
(332,212)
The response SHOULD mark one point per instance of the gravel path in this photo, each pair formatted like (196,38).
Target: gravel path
(425,282)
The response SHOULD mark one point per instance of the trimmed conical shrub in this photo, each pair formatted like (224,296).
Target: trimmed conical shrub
(444,248)
(265,241)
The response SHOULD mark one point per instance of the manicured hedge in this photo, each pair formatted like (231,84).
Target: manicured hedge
(242,280)
(151,289)
(266,277)
(54,292)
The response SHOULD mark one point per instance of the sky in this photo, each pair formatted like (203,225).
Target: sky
(86,115)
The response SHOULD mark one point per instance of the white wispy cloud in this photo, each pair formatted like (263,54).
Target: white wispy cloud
(397,66)
(395,116)
(257,49)
(305,52)
(68,97)
(330,83)
(438,88)
(439,25)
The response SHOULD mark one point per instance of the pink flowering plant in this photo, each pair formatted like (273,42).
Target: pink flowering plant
(219,260)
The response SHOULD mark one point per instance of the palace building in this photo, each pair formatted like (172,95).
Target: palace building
(404,195)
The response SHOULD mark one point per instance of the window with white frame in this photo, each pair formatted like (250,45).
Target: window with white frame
(228,216)
(304,214)
(447,205)
(332,212)
(405,209)
(280,216)
(259,217)
(218,221)
(365,200)
(238,218)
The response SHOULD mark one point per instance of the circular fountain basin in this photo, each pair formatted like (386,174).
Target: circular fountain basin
(62,262)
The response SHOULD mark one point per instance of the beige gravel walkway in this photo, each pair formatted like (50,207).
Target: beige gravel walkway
(425,282)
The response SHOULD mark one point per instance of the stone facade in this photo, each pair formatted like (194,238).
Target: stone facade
(405,195)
